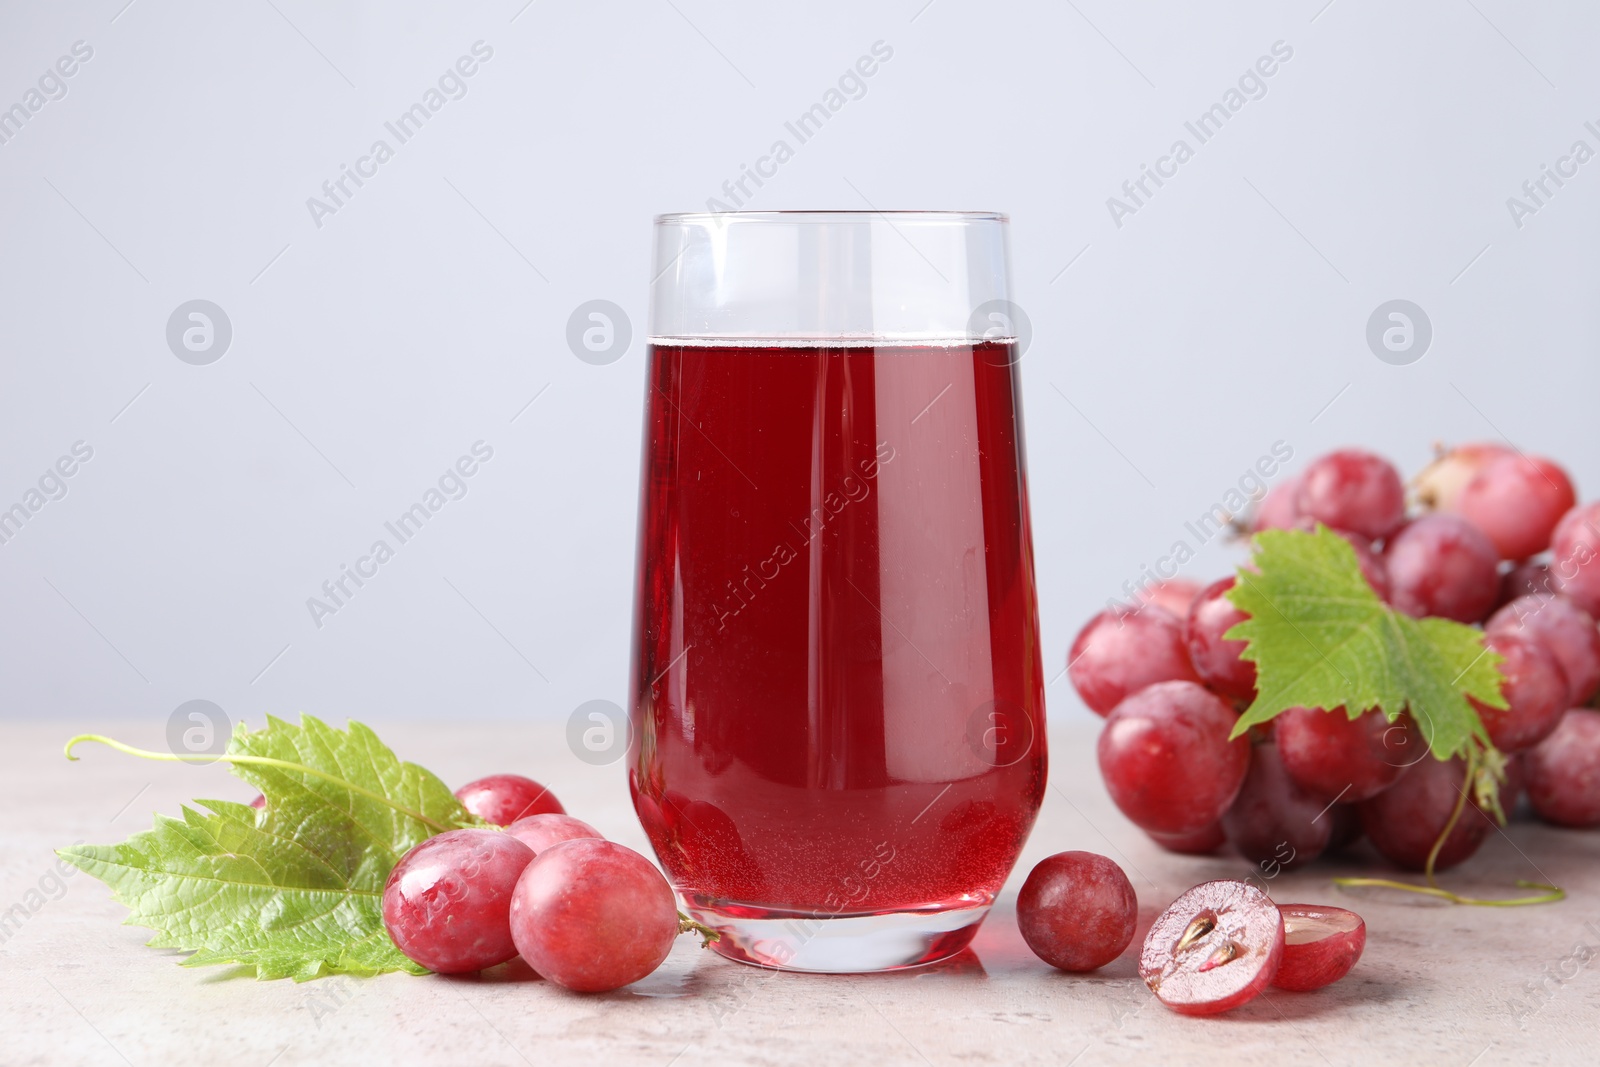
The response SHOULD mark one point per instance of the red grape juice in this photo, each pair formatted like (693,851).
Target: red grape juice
(837,701)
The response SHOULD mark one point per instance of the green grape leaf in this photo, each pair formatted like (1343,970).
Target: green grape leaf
(293,889)
(1320,637)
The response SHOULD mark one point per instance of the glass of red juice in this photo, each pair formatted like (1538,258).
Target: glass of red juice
(838,743)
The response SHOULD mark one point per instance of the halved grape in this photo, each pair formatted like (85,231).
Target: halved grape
(1166,758)
(447,902)
(1320,945)
(1215,948)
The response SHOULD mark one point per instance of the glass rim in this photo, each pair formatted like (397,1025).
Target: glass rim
(814,216)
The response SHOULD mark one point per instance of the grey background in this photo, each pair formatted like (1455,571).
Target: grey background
(369,354)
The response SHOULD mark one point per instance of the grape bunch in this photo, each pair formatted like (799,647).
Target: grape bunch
(1486,536)
(584,912)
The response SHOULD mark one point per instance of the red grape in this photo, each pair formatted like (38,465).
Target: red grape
(1527,579)
(1517,501)
(1166,758)
(1175,595)
(1336,756)
(1566,630)
(1123,650)
(1441,481)
(539,832)
(1404,821)
(1215,948)
(1576,548)
(1354,490)
(1200,843)
(1443,565)
(1215,660)
(592,915)
(1320,945)
(504,798)
(447,902)
(1563,771)
(1077,911)
(1280,508)
(1274,822)
(1535,688)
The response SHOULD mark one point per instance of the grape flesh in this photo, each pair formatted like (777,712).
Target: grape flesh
(1517,501)
(1217,661)
(1166,759)
(1215,948)
(504,798)
(1534,687)
(447,902)
(1274,822)
(1566,630)
(1563,772)
(1441,482)
(1123,650)
(1335,756)
(539,832)
(1280,508)
(1575,548)
(1320,945)
(1443,565)
(591,915)
(1354,490)
(1404,821)
(1077,911)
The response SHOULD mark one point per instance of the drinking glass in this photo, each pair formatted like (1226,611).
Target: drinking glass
(838,743)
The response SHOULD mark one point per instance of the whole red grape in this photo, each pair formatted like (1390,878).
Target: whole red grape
(1123,650)
(1575,557)
(504,798)
(1535,688)
(447,902)
(1217,661)
(1077,911)
(1166,759)
(1563,771)
(1274,822)
(591,915)
(1566,630)
(539,832)
(1517,501)
(1404,821)
(1336,756)
(1443,565)
(1354,490)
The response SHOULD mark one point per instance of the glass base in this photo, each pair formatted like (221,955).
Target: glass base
(838,944)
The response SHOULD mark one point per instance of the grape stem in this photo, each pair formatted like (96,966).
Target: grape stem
(258,761)
(705,933)
(1433,889)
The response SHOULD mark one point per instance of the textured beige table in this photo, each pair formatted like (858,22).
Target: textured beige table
(1438,984)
